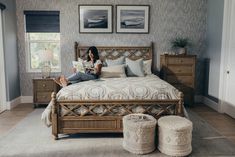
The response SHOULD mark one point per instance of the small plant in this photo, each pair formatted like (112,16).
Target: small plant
(180,42)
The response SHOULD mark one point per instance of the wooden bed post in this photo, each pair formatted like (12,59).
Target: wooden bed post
(180,104)
(54,116)
(77,55)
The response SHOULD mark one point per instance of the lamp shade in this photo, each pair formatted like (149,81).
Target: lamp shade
(47,55)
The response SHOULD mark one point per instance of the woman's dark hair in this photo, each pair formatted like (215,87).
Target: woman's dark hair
(95,53)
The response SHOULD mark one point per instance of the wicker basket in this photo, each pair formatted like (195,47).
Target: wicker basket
(139,133)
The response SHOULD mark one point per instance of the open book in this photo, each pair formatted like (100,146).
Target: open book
(81,65)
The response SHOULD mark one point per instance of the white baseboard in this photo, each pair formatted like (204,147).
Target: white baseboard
(26,99)
(211,103)
(13,103)
(21,99)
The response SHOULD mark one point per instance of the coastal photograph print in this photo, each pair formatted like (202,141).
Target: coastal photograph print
(95,19)
(132,19)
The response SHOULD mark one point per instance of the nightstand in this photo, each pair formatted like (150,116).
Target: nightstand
(42,89)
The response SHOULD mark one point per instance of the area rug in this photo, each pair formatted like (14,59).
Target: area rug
(30,138)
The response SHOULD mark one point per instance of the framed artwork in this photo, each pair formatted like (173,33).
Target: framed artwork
(132,18)
(95,18)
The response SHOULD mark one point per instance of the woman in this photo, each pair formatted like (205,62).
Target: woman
(90,73)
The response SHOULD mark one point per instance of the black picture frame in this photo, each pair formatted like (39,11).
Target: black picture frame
(132,18)
(95,18)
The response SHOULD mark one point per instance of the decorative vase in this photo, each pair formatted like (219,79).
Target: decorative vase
(182,51)
(46,70)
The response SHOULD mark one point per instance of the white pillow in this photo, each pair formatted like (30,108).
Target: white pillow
(147,67)
(135,68)
(115,71)
(118,61)
(79,65)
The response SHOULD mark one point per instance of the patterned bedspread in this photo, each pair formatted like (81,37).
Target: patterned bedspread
(130,88)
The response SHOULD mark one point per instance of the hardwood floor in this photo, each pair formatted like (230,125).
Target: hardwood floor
(224,124)
(9,119)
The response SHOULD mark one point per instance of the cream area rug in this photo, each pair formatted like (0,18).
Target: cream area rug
(30,138)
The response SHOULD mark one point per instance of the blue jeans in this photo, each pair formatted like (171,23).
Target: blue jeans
(79,76)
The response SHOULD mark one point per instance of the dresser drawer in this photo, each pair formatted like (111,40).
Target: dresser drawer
(180,60)
(42,97)
(44,85)
(180,69)
(185,80)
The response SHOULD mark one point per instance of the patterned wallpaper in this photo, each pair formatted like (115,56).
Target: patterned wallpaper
(168,19)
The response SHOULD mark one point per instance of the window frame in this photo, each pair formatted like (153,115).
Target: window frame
(28,53)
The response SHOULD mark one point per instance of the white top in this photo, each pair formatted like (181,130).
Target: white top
(97,62)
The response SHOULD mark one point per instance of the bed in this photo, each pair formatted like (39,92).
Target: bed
(99,105)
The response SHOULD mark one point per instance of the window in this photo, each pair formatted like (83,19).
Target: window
(43,47)
(42,40)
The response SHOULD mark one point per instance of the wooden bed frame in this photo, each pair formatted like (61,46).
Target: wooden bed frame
(72,122)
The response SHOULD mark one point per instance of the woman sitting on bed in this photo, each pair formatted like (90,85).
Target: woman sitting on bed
(90,73)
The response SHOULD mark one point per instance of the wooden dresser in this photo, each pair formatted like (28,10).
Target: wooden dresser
(42,89)
(179,70)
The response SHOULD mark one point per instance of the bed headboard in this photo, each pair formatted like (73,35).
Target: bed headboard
(113,52)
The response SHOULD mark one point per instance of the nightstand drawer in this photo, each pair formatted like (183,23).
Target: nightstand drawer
(180,60)
(44,85)
(185,80)
(42,97)
(179,69)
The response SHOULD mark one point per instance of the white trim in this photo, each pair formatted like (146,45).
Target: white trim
(210,103)
(13,103)
(3,101)
(26,99)
(19,100)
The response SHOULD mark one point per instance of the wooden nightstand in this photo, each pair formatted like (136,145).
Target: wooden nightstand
(179,71)
(42,89)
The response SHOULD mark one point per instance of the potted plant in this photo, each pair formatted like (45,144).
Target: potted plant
(181,44)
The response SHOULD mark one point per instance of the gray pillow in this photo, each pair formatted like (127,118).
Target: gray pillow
(118,61)
(135,68)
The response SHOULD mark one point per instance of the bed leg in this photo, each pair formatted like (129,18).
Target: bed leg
(54,116)
(180,104)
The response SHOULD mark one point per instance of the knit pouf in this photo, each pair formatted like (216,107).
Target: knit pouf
(139,133)
(174,135)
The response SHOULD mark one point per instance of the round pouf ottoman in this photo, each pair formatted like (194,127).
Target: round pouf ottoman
(139,133)
(174,135)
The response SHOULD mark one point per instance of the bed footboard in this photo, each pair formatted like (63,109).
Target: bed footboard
(67,120)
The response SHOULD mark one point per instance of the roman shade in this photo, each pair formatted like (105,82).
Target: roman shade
(2,6)
(42,21)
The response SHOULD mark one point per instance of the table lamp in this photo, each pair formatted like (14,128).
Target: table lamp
(47,56)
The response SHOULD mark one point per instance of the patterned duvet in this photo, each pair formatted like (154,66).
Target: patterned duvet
(129,88)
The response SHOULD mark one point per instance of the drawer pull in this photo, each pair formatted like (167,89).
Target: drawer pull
(181,61)
(44,85)
(179,70)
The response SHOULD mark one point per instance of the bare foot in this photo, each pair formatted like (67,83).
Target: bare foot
(57,80)
(63,81)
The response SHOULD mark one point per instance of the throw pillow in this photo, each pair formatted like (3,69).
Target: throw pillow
(147,67)
(135,68)
(115,71)
(118,61)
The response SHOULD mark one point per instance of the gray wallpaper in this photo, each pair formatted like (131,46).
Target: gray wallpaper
(168,19)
